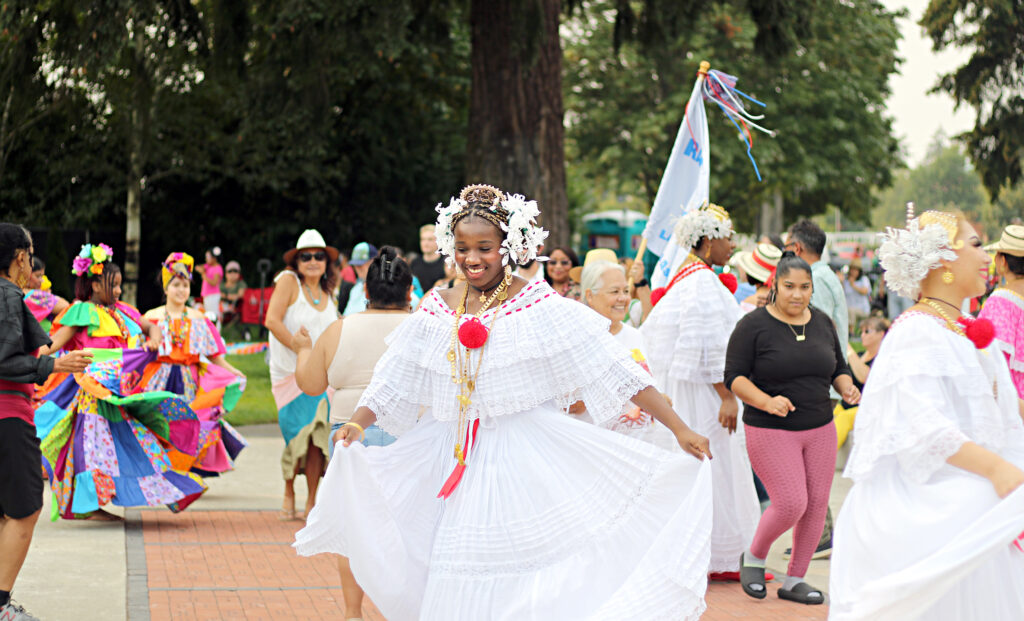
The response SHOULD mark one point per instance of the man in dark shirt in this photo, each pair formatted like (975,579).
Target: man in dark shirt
(428,268)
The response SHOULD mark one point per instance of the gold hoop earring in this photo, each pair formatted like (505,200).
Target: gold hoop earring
(947,277)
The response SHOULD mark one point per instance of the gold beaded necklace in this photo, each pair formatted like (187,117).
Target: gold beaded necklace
(462,370)
(952,325)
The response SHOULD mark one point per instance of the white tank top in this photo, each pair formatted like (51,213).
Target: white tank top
(300,314)
(360,347)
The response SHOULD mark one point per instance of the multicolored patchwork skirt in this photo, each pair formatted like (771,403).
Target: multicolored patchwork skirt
(103,444)
(212,392)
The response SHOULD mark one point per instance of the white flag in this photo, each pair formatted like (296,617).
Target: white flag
(684,187)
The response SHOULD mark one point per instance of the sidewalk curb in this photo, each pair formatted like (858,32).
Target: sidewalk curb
(137,574)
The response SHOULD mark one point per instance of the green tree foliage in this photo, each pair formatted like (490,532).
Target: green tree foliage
(825,101)
(991,82)
(946,180)
(259,121)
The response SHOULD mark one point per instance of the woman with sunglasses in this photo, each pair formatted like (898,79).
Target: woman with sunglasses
(561,260)
(301,299)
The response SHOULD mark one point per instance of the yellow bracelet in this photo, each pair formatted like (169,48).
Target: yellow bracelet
(362,431)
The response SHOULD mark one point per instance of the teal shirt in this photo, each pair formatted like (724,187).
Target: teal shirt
(829,298)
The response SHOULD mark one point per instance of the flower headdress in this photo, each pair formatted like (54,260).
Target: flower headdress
(513,214)
(176,264)
(709,221)
(91,259)
(907,255)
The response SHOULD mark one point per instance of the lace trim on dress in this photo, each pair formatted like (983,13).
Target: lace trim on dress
(929,392)
(544,348)
(687,333)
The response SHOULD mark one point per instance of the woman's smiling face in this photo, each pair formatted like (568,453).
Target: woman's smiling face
(478,252)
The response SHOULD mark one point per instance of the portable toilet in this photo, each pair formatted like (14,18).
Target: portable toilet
(617,229)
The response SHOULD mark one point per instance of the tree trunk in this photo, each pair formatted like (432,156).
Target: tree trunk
(770,221)
(516,136)
(140,102)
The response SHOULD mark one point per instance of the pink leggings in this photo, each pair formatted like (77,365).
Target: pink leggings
(796,468)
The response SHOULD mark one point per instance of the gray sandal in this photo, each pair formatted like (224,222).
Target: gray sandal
(803,593)
(752,576)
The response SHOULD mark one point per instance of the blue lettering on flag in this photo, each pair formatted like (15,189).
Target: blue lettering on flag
(664,234)
(693,151)
(664,267)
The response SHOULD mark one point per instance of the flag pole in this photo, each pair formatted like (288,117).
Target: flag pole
(702,73)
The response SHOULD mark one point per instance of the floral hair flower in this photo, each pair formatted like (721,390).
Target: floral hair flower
(513,214)
(91,259)
(709,221)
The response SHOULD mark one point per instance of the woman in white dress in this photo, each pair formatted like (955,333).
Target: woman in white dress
(538,516)
(605,289)
(928,528)
(301,299)
(686,337)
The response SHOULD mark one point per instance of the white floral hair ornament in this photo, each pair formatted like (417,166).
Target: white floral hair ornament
(513,214)
(907,255)
(709,221)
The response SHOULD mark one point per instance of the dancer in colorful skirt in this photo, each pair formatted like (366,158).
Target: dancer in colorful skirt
(927,532)
(43,303)
(191,363)
(492,503)
(301,299)
(101,441)
(686,336)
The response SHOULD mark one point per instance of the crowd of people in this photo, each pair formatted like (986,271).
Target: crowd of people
(488,432)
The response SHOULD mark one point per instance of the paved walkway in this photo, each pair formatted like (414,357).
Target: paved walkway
(229,557)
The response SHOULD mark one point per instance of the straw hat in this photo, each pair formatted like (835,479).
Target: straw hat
(760,263)
(310,238)
(597,254)
(1011,242)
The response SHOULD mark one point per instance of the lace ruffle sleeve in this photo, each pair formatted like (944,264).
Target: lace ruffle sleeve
(541,348)
(929,392)
(688,331)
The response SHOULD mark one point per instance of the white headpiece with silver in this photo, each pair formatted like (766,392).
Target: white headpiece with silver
(907,255)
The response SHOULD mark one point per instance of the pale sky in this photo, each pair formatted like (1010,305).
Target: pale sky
(916,114)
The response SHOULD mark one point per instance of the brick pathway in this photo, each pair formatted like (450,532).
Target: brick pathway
(213,565)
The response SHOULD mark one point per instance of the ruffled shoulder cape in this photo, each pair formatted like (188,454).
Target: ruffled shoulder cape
(687,333)
(930,390)
(542,347)
(97,319)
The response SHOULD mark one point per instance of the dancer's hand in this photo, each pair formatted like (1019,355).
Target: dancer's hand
(1006,478)
(347,435)
(578,407)
(727,413)
(694,443)
(778,406)
(73,362)
(302,340)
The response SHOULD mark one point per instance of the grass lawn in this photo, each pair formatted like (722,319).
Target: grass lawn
(257,404)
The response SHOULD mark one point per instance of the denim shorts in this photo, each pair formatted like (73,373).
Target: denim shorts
(374,436)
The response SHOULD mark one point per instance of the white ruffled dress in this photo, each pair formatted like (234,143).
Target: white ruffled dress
(686,336)
(553,518)
(918,538)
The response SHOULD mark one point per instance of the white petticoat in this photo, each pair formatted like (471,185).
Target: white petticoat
(553,519)
(937,552)
(736,508)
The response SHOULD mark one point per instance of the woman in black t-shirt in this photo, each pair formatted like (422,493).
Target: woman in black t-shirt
(781,360)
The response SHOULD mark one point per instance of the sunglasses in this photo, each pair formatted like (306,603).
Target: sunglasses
(319,255)
(232,271)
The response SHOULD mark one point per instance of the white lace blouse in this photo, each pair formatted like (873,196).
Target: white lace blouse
(542,348)
(930,392)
